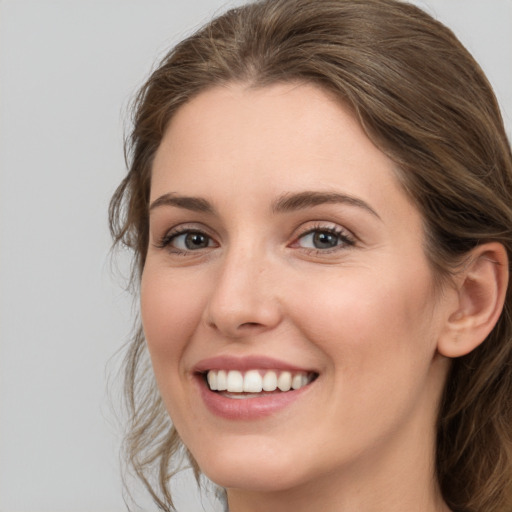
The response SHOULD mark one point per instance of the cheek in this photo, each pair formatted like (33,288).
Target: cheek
(170,312)
(370,320)
(377,337)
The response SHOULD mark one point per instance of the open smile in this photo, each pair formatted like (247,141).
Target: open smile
(239,384)
(250,388)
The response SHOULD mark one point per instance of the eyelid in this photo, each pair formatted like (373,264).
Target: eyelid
(164,241)
(347,238)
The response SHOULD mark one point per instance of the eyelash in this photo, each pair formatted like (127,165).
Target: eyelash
(345,239)
(166,241)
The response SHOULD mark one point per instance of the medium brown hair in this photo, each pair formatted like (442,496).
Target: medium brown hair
(424,101)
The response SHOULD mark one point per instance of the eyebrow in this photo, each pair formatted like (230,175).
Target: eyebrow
(195,204)
(285,203)
(308,199)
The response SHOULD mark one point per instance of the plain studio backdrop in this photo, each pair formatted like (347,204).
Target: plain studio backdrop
(68,69)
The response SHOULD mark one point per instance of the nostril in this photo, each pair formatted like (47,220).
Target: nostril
(238,317)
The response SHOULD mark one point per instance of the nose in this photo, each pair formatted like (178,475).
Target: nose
(244,300)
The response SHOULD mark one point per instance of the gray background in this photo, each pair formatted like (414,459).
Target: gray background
(67,71)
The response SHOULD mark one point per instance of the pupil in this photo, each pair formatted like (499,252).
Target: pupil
(196,241)
(324,240)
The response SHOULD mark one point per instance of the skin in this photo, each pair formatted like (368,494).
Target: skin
(363,314)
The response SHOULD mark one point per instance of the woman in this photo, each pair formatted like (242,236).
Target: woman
(319,203)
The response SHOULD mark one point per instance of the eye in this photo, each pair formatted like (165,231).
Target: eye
(323,238)
(186,240)
(191,241)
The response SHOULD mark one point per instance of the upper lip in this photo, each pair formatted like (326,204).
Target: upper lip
(246,363)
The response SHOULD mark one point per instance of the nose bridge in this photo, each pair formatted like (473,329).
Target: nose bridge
(242,300)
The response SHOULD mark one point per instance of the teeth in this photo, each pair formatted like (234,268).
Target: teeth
(212,381)
(235,381)
(256,381)
(270,381)
(284,381)
(298,382)
(222,380)
(253,383)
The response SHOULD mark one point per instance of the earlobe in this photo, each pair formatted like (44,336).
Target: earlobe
(481,287)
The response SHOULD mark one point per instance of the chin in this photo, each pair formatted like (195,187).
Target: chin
(252,471)
(252,480)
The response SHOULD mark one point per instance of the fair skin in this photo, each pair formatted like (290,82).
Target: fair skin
(278,230)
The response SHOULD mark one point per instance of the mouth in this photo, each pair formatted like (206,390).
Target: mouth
(252,387)
(239,384)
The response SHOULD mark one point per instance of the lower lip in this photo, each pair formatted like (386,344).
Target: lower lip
(247,408)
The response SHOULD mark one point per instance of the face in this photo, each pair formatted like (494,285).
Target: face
(283,252)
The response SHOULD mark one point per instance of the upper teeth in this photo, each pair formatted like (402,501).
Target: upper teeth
(255,381)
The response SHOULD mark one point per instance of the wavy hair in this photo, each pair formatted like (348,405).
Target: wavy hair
(425,102)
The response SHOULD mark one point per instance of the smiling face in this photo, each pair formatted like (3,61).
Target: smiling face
(283,253)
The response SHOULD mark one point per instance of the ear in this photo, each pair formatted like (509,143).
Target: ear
(481,288)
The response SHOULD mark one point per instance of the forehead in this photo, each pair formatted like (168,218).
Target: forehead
(237,116)
(285,137)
